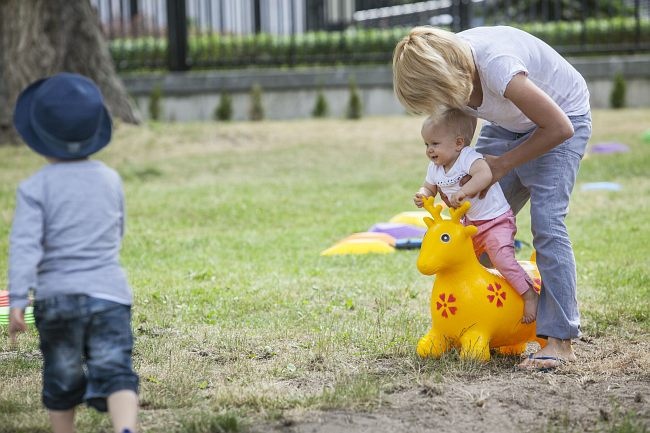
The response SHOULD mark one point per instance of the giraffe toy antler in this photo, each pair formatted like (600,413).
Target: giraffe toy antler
(458,213)
(427,203)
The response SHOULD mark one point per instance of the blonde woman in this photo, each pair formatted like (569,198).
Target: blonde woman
(538,123)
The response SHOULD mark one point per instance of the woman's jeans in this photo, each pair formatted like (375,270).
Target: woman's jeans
(547,182)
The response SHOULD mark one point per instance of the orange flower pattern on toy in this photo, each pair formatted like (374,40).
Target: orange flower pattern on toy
(496,294)
(443,305)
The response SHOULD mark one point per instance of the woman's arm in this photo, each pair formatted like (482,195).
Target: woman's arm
(553,126)
(481,179)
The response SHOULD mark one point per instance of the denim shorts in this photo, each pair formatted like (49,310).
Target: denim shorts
(86,344)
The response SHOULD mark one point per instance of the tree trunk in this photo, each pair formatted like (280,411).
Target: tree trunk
(39,38)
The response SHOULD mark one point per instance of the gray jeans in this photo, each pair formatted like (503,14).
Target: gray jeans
(547,182)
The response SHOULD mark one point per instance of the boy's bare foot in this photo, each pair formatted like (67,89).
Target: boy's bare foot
(531,298)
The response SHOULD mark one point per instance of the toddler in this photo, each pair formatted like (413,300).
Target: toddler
(451,159)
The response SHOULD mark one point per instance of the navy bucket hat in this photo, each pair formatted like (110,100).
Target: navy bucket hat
(63,116)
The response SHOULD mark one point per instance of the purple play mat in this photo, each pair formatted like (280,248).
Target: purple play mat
(399,230)
(609,148)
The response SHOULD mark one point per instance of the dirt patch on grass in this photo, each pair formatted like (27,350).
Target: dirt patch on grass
(608,389)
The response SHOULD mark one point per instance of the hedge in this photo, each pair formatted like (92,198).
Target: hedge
(357,46)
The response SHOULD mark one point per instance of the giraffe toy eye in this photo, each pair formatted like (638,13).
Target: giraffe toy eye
(445,237)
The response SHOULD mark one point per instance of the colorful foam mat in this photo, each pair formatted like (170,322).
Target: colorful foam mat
(4,310)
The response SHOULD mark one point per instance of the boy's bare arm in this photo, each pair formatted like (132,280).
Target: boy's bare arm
(16,324)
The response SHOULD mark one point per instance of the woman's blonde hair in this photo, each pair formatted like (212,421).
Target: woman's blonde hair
(432,68)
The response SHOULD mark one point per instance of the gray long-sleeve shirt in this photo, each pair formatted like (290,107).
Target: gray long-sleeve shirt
(66,234)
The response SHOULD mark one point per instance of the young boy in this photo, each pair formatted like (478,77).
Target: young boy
(64,245)
(451,159)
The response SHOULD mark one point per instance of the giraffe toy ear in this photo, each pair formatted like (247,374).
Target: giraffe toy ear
(470,231)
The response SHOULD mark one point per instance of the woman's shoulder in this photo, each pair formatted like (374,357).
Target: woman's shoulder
(480,33)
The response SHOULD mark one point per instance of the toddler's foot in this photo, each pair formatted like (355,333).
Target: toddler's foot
(531,298)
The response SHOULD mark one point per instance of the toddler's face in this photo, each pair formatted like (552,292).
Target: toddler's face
(442,145)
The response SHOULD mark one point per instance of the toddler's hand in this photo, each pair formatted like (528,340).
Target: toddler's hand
(16,324)
(458,198)
(418,199)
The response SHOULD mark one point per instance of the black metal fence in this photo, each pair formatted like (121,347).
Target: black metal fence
(183,34)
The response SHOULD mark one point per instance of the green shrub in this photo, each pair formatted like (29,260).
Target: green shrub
(257,110)
(355,110)
(321,108)
(154,102)
(224,109)
(617,96)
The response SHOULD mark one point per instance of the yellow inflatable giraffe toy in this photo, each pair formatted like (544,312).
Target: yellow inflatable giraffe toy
(472,308)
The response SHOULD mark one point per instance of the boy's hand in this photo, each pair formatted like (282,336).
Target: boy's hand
(418,199)
(16,323)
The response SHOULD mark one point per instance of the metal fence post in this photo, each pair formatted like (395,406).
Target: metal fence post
(292,43)
(637,24)
(257,16)
(465,14)
(583,23)
(176,35)
(461,15)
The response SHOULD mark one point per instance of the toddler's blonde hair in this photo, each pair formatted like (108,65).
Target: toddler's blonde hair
(456,121)
(432,68)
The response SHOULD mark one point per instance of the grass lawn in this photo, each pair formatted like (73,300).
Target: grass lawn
(239,320)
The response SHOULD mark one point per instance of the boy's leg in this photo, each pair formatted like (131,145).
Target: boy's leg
(550,180)
(60,322)
(123,409)
(112,383)
(62,420)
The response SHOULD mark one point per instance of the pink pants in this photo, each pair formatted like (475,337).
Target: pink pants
(496,237)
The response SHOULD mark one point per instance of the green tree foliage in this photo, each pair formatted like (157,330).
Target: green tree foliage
(617,96)
(155,99)
(224,109)
(355,110)
(256,110)
(321,108)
